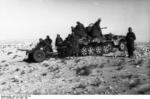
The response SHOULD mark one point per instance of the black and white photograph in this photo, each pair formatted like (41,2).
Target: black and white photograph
(74,47)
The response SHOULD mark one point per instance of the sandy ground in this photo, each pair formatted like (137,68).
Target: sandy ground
(82,75)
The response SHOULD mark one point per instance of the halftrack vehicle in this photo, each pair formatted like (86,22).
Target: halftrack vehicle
(95,46)
(90,45)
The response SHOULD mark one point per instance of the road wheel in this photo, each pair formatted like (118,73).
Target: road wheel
(84,51)
(122,46)
(99,50)
(107,48)
(39,56)
(91,51)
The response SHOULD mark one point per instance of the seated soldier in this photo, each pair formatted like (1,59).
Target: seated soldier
(41,44)
(96,30)
(89,29)
(79,30)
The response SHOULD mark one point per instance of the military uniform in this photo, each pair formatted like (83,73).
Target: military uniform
(48,42)
(96,30)
(58,41)
(69,44)
(130,42)
(79,30)
(75,45)
(40,44)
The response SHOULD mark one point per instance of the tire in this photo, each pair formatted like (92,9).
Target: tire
(99,50)
(122,46)
(91,51)
(84,51)
(107,48)
(39,56)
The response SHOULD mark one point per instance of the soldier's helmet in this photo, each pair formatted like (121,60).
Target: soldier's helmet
(78,22)
(58,35)
(47,36)
(100,19)
(130,29)
(40,39)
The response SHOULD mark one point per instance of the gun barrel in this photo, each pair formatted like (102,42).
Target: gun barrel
(23,50)
(104,28)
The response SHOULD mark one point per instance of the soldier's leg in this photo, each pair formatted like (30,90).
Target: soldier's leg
(77,52)
(128,49)
(131,54)
(51,50)
(68,51)
(60,52)
(132,50)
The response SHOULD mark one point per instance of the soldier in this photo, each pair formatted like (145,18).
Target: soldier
(40,44)
(96,30)
(89,29)
(130,37)
(58,41)
(48,41)
(69,44)
(79,30)
(75,44)
(59,44)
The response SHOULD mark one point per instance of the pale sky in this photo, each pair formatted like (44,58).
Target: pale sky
(32,19)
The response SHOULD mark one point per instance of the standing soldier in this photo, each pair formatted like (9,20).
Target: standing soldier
(69,45)
(49,43)
(58,45)
(75,44)
(130,42)
(58,41)
(48,39)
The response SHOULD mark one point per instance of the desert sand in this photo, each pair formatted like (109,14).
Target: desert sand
(74,75)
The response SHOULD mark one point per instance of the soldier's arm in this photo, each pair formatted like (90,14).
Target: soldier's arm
(47,43)
(134,37)
(50,40)
(56,42)
(127,36)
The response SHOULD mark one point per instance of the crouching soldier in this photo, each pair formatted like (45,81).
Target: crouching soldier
(41,44)
(130,42)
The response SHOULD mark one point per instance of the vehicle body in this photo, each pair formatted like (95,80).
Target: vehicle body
(104,46)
